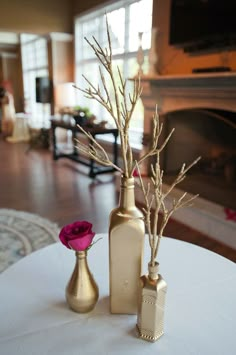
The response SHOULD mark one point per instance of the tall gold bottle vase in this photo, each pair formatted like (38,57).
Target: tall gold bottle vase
(152,294)
(126,242)
(82,290)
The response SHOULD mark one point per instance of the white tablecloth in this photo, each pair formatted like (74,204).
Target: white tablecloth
(21,131)
(200,313)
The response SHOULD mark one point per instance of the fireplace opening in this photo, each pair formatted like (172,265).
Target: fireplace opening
(211,134)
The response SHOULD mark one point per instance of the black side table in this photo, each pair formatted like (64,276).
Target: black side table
(94,131)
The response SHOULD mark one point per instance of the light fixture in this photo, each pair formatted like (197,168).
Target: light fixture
(65,96)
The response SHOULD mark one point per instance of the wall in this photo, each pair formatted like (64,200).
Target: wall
(175,61)
(81,6)
(61,61)
(30,16)
(36,16)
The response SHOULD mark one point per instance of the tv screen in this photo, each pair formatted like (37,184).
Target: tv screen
(43,90)
(196,24)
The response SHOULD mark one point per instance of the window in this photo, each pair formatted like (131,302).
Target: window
(34,64)
(126,20)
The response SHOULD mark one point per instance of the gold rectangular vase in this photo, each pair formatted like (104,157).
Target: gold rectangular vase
(126,241)
(152,294)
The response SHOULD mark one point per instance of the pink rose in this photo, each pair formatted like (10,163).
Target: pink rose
(77,236)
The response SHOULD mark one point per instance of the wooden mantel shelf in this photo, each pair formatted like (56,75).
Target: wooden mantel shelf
(180,92)
(198,80)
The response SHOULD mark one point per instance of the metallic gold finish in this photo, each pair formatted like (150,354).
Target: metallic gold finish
(81,291)
(126,242)
(150,322)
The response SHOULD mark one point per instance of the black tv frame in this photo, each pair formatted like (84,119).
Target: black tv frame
(219,36)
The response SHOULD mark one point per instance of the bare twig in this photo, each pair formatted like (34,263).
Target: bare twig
(157,130)
(116,100)
(95,151)
(158,199)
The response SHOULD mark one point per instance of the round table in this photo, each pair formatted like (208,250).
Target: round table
(200,316)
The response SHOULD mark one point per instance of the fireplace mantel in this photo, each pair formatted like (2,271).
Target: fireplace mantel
(180,92)
(183,92)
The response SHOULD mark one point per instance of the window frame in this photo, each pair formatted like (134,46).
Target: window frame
(38,111)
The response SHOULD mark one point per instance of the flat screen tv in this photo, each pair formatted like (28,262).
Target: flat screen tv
(203,25)
(43,90)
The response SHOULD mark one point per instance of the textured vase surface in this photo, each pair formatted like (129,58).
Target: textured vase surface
(152,295)
(82,290)
(126,242)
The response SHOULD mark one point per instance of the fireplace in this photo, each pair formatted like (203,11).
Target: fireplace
(202,108)
(210,134)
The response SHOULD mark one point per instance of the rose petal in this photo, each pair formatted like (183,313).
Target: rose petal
(63,237)
(81,244)
(67,230)
(80,228)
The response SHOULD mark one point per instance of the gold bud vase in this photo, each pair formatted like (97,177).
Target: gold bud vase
(150,321)
(82,291)
(126,242)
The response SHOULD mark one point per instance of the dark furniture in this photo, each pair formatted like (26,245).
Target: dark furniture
(39,138)
(74,155)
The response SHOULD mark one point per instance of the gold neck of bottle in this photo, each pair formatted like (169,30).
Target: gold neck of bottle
(81,254)
(127,198)
(153,270)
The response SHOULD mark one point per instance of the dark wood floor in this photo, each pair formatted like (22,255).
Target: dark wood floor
(62,192)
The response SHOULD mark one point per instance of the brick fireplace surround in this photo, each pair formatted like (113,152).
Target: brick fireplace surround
(196,91)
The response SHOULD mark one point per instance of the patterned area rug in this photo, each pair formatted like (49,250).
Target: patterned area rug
(22,233)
